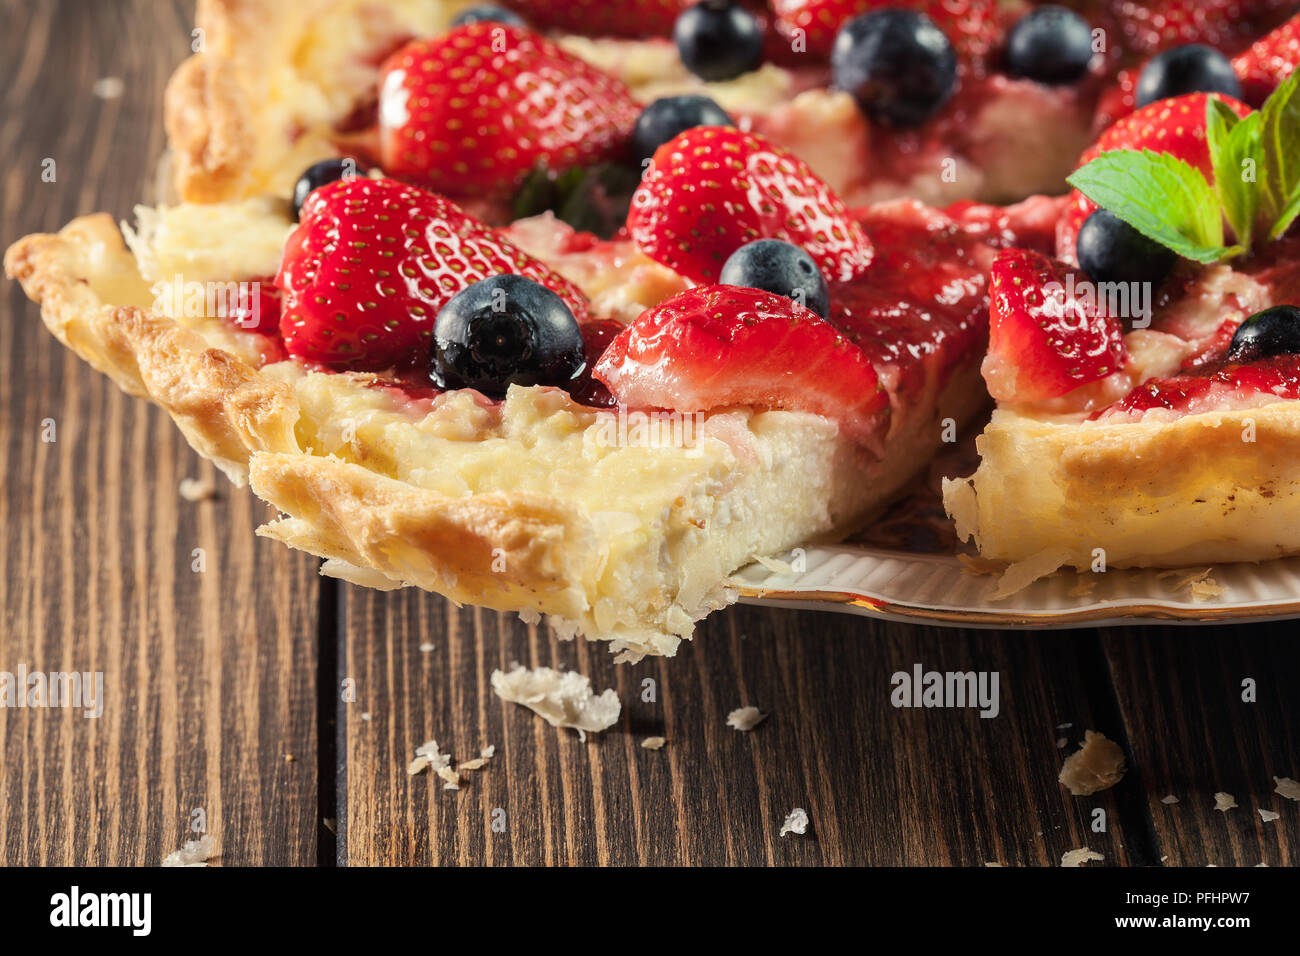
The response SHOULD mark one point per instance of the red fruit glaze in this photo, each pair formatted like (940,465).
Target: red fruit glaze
(1175,126)
(596,338)
(1043,340)
(716,346)
(372,262)
(1225,387)
(713,189)
(471,112)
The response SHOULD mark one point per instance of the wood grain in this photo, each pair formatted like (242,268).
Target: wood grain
(209,677)
(881,785)
(213,679)
(1194,735)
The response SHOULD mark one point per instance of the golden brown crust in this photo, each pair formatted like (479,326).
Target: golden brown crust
(221,404)
(1205,488)
(209,128)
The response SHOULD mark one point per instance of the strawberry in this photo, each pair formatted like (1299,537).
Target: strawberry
(1150,26)
(971,25)
(714,346)
(713,189)
(1043,341)
(1175,126)
(473,111)
(1268,62)
(373,261)
(603,18)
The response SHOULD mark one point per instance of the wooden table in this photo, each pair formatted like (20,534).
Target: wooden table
(224,687)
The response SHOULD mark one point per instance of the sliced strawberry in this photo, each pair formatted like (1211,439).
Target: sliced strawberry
(1045,337)
(373,261)
(603,18)
(1175,126)
(972,26)
(1268,61)
(471,112)
(714,188)
(716,346)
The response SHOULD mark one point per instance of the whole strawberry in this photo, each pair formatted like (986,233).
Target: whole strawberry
(471,112)
(613,18)
(1268,61)
(714,188)
(373,261)
(1149,26)
(1175,126)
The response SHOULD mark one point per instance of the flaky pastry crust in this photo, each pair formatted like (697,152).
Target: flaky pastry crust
(1205,488)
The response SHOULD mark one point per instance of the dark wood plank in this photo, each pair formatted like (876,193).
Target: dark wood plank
(881,785)
(1180,691)
(209,677)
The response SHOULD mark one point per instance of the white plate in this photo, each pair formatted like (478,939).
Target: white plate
(937,589)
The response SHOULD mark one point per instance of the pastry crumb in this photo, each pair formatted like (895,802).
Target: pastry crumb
(1022,574)
(198,489)
(796,822)
(426,647)
(775,565)
(1224,802)
(1083,585)
(1268,816)
(1076,858)
(1287,787)
(451,779)
(653,743)
(108,88)
(1064,726)
(1169,800)
(993,864)
(193,853)
(1097,765)
(488,752)
(561,699)
(1060,743)
(745,718)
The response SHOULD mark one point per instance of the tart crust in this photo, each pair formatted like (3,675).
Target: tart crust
(1156,493)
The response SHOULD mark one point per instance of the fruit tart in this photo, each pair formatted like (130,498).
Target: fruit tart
(1148,376)
(413,298)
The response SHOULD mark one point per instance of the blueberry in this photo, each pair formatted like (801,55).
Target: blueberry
(1193,68)
(321,174)
(781,268)
(718,39)
(898,65)
(1274,331)
(488,11)
(503,331)
(1050,44)
(1110,250)
(667,117)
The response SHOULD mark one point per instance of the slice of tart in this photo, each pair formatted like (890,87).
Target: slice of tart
(1148,401)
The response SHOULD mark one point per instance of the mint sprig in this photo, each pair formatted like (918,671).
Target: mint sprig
(1256,164)
(1161,197)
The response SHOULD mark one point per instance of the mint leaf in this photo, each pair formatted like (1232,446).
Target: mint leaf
(1161,197)
(1279,134)
(1234,149)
